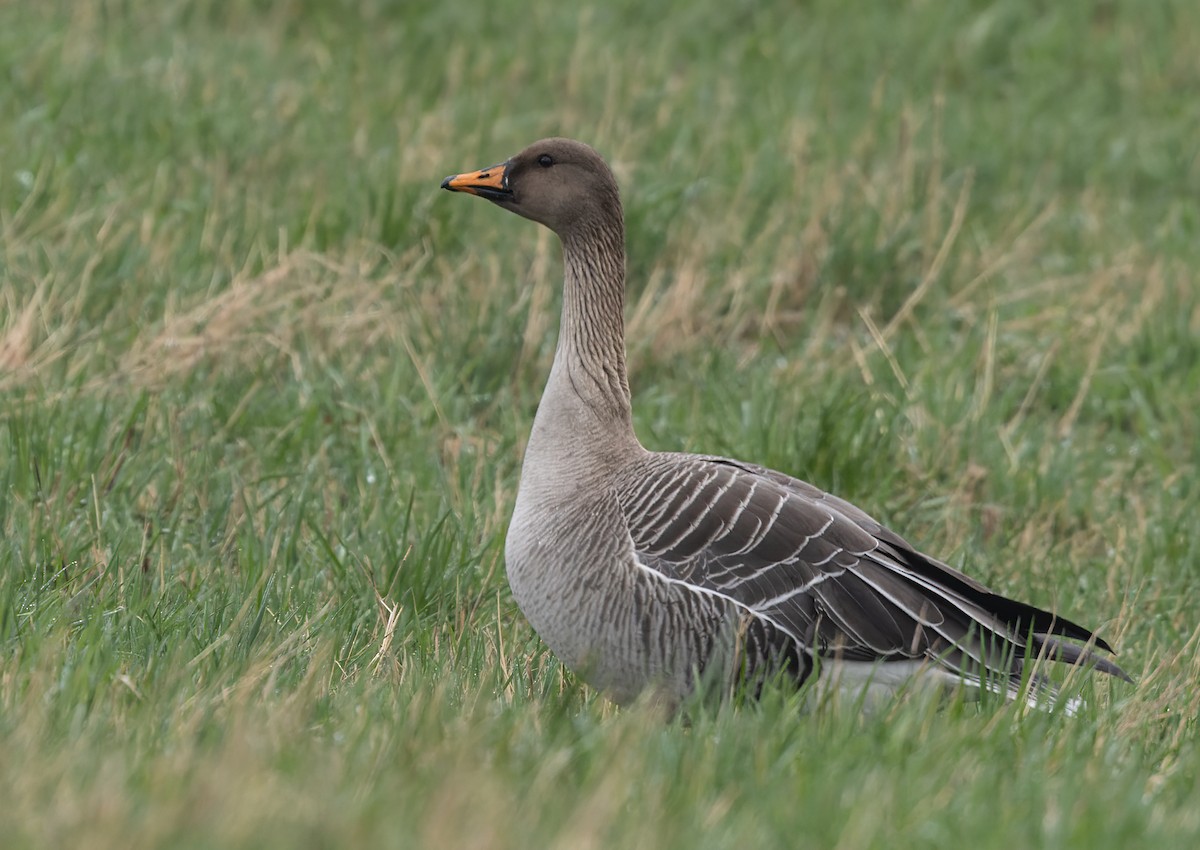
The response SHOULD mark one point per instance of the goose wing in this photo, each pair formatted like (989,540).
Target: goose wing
(835,581)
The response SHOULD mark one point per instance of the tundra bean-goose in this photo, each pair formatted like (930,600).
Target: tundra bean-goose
(656,570)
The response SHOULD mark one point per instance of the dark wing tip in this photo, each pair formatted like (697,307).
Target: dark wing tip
(1070,653)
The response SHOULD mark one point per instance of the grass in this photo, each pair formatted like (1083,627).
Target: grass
(264,390)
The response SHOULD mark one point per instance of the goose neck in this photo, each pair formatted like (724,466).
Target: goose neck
(588,381)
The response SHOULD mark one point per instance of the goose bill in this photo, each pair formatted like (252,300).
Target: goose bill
(490,183)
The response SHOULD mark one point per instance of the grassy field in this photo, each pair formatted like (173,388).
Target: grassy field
(264,391)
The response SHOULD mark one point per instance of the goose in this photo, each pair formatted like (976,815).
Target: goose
(667,572)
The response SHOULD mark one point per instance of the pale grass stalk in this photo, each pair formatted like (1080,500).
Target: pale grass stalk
(880,340)
(939,260)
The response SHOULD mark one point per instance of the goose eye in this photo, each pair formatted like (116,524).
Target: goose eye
(545,160)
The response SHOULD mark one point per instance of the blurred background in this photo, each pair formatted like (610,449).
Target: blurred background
(264,391)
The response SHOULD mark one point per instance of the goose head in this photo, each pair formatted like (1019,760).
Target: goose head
(560,183)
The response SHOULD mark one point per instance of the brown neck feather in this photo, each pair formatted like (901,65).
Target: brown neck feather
(592,337)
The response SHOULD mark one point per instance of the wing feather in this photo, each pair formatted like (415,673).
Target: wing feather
(825,578)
